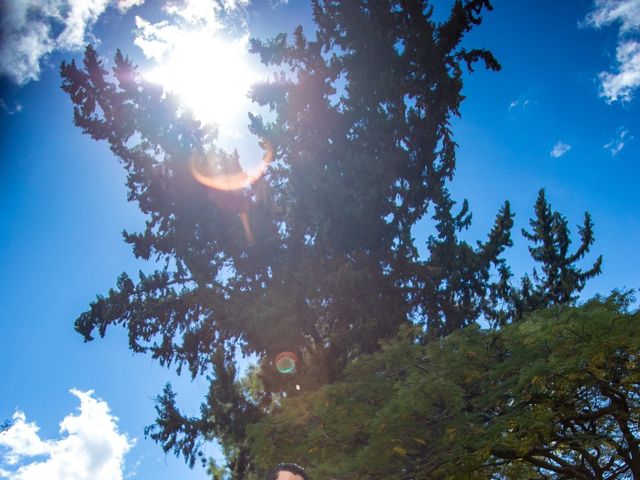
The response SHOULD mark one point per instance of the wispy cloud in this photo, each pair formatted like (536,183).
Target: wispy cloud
(606,12)
(10,110)
(618,142)
(90,446)
(519,103)
(30,30)
(559,149)
(620,84)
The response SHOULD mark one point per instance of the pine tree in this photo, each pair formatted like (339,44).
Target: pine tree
(560,279)
(453,284)
(317,256)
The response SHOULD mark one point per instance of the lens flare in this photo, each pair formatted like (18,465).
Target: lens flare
(227,178)
(236,180)
(286,362)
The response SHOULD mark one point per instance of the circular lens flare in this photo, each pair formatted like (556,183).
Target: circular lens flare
(236,180)
(286,362)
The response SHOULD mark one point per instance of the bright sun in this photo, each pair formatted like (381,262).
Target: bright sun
(211,71)
(212,75)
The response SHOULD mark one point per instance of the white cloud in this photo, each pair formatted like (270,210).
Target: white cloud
(32,29)
(22,440)
(90,447)
(81,17)
(520,103)
(559,149)
(25,38)
(607,12)
(618,142)
(124,5)
(155,40)
(620,84)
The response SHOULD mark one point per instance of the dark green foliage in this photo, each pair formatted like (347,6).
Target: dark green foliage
(560,279)
(6,425)
(453,285)
(176,433)
(556,395)
(224,417)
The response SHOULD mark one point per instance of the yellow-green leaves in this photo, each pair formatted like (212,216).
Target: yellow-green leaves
(477,403)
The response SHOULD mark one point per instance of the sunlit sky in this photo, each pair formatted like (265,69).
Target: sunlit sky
(563,114)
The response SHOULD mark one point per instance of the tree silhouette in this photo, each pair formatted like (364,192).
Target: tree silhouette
(316,256)
(6,425)
(560,279)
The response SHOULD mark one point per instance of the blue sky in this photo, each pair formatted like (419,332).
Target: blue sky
(562,114)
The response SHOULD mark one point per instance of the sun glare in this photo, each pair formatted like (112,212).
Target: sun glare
(211,70)
(212,75)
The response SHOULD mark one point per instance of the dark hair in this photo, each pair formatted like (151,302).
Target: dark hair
(287,467)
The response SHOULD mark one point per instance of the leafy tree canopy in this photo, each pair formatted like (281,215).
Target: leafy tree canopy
(554,396)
